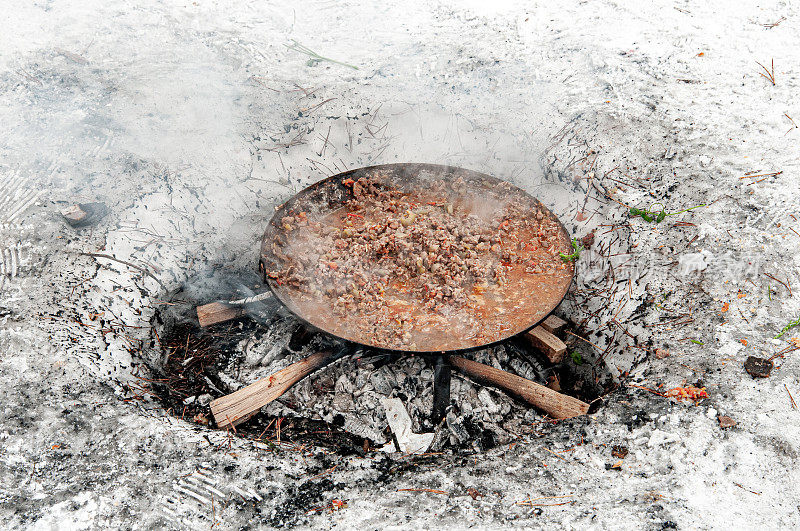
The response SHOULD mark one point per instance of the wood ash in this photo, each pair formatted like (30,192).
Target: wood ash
(348,393)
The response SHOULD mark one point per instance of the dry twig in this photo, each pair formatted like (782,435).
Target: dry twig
(745,488)
(325,144)
(318,105)
(529,501)
(771,25)
(770,74)
(794,125)
(791,398)
(770,174)
(784,284)
(138,268)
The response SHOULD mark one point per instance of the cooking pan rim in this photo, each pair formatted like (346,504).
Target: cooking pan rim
(274,289)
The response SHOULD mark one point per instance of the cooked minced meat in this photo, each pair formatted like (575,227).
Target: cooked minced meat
(418,268)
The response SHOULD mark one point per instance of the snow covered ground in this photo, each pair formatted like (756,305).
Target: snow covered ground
(190,120)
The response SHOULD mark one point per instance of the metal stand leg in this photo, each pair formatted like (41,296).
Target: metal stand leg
(441,389)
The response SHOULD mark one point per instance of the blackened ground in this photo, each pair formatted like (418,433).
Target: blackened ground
(192,355)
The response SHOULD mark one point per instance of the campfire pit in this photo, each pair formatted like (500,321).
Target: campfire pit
(414,258)
(339,407)
(521,347)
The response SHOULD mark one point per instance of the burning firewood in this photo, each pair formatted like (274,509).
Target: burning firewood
(555,404)
(547,343)
(237,407)
(220,311)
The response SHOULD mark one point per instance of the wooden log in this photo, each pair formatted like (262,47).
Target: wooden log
(550,345)
(218,312)
(239,406)
(553,324)
(555,404)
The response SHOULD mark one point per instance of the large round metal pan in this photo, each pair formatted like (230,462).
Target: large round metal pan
(330,194)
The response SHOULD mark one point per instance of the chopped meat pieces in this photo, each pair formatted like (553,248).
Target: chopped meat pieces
(401,266)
